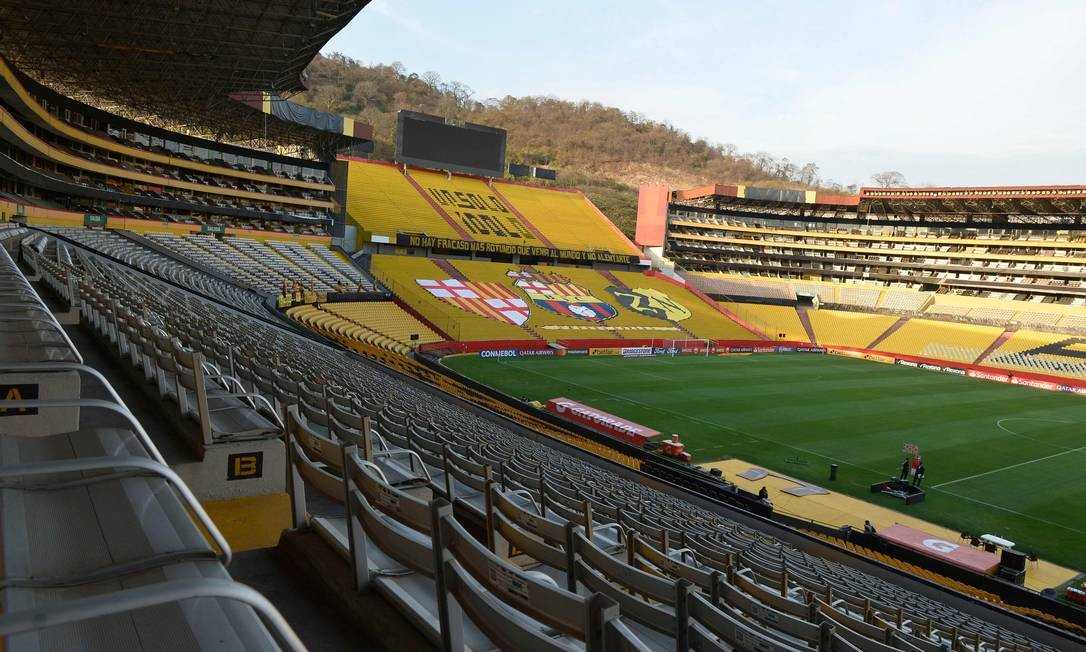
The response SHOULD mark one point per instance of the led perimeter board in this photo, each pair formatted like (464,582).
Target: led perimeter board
(429,141)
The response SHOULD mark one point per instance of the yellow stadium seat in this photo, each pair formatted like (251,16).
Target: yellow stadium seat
(380,323)
(841,328)
(566,218)
(1036,352)
(774,321)
(383,201)
(941,340)
(494,301)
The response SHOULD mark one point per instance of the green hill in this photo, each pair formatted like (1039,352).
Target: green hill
(604,151)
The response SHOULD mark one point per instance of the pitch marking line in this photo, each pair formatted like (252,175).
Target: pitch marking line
(804,450)
(1011,511)
(999,424)
(1012,466)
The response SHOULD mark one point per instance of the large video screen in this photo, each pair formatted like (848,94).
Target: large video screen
(427,141)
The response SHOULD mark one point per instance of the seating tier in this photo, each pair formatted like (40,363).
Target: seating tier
(475,300)
(383,201)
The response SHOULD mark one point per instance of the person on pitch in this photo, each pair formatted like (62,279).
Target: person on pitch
(918,477)
(905,469)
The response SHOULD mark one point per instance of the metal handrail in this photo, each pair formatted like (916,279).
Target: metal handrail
(56,323)
(410,453)
(43,617)
(366,464)
(107,463)
(118,407)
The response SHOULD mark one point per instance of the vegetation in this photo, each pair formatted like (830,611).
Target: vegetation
(1000,458)
(602,150)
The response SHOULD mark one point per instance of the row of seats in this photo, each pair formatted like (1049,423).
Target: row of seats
(96,159)
(869,297)
(80,123)
(1005,312)
(196,217)
(1053,242)
(906,301)
(941,340)
(378,323)
(185,368)
(720,285)
(861,297)
(680,579)
(778,322)
(269,266)
(1027,350)
(104,545)
(565,583)
(855,329)
(384,200)
(478,300)
(140,183)
(912,231)
(978,310)
(999,270)
(1021,350)
(121,248)
(424,442)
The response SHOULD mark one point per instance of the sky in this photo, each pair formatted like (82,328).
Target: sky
(947,92)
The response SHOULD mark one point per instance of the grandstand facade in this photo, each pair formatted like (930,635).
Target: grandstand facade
(1002,243)
(980,276)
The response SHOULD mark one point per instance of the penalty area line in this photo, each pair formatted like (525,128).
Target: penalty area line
(1011,511)
(1012,466)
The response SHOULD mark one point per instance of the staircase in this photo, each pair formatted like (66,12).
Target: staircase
(1003,337)
(805,319)
(888,332)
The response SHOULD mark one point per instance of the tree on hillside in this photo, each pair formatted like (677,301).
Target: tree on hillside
(808,175)
(889,179)
(602,150)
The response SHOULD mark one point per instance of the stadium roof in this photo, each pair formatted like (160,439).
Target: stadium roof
(174,63)
(1056,201)
(1035,204)
(974,192)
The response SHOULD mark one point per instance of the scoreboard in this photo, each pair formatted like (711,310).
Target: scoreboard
(432,142)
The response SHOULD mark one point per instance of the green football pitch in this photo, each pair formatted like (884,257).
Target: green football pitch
(999,459)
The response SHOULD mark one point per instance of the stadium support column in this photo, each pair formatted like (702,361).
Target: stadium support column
(652,204)
(337,170)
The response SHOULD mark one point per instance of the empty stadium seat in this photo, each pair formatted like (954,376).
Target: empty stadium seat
(998,263)
(430,449)
(941,340)
(775,321)
(101,550)
(384,201)
(476,300)
(853,329)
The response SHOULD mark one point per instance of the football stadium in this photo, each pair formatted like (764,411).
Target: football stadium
(262,387)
